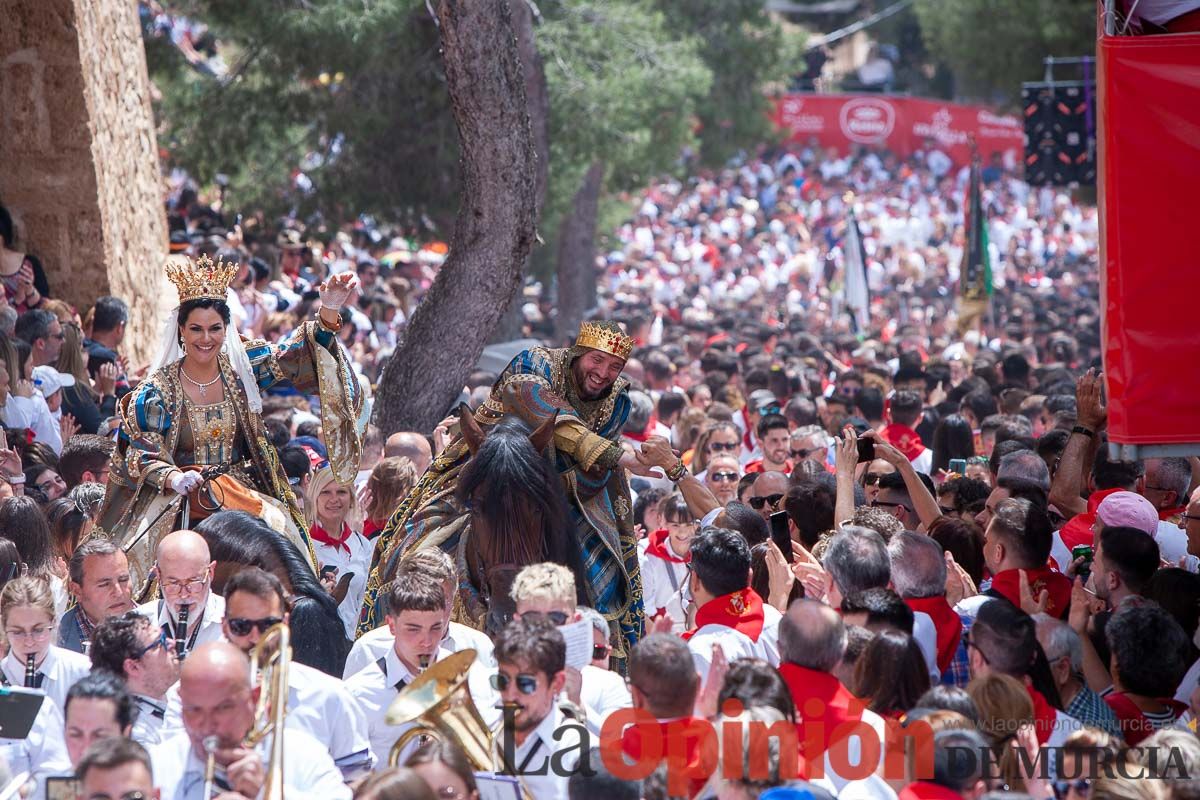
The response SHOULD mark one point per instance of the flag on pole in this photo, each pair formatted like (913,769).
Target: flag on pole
(975,275)
(857,295)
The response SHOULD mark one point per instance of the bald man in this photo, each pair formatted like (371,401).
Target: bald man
(185,573)
(218,701)
(411,445)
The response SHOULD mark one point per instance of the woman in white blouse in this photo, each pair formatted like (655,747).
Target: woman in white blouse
(343,553)
(33,660)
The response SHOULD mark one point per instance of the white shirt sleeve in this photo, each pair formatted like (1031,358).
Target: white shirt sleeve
(18,412)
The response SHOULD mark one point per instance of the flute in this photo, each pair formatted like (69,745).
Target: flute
(181,632)
(30,671)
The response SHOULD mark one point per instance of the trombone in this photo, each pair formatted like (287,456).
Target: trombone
(438,705)
(269,666)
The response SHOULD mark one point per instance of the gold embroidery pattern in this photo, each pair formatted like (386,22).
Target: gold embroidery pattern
(214,431)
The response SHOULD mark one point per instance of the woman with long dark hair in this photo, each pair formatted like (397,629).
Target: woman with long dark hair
(193,429)
(237,539)
(952,438)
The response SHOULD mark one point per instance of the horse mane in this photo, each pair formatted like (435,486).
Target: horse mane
(505,482)
(318,635)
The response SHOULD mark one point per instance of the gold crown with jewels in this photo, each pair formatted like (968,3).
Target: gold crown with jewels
(201,278)
(606,337)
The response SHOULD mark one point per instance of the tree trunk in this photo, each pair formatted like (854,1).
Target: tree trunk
(493,232)
(577,252)
(534,72)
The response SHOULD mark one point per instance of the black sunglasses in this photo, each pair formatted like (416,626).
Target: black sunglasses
(162,641)
(724,477)
(800,453)
(240,626)
(771,500)
(526,684)
(882,504)
(871,478)
(556,617)
(600,651)
(719,447)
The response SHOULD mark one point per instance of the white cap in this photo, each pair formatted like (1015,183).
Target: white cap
(48,380)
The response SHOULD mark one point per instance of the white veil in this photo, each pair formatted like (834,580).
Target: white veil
(169,351)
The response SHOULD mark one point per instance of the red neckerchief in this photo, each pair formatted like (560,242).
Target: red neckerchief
(646,433)
(372,527)
(659,547)
(928,790)
(904,439)
(688,730)
(1133,722)
(757,466)
(947,623)
(1045,716)
(1007,583)
(748,436)
(835,705)
(741,610)
(1078,530)
(1170,513)
(319,534)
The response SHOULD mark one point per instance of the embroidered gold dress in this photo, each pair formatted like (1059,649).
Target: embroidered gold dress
(162,430)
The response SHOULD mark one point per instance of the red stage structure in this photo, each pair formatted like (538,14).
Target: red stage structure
(1149,185)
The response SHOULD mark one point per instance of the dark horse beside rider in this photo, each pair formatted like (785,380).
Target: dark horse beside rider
(535,474)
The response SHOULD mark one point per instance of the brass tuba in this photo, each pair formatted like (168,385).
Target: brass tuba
(440,705)
(269,665)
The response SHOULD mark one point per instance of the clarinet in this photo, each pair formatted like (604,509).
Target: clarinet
(181,633)
(30,672)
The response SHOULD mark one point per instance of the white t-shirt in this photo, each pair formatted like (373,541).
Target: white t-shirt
(358,561)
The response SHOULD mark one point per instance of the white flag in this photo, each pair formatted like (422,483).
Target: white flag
(858,297)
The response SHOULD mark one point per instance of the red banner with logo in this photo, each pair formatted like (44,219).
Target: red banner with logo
(1149,111)
(903,125)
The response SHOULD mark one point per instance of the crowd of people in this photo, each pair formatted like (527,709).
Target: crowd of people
(842,532)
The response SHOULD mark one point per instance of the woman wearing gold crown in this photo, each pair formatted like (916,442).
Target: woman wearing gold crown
(201,408)
(581,390)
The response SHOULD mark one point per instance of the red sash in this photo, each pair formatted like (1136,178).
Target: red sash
(1008,585)
(927,790)
(904,439)
(659,547)
(741,610)
(319,534)
(1134,725)
(947,622)
(1044,715)
(834,705)
(690,729)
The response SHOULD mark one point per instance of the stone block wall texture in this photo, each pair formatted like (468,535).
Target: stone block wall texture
(78,159)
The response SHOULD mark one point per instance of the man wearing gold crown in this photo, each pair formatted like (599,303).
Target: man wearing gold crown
(201,407)
(584,387)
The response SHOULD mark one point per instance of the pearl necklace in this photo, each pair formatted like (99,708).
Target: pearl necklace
(203,387)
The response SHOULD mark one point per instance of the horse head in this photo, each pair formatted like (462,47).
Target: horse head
(517,505)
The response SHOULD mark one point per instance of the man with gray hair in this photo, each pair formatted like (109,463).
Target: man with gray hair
(1064,654)
(857,559)
(919,577)
(1027,466)
(812,640)
(100,583)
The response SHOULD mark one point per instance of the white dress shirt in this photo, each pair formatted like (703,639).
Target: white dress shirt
(602,692)
(60,668)
(148,727)
(209,629)
(368,648)
(44,751)
(375,688)
(661,580)
(735,645)
(768,641)
(308,771)
(534,759)
(318,705)
(358,561)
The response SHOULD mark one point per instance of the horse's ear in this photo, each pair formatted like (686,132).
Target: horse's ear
(544,435)
(471,432)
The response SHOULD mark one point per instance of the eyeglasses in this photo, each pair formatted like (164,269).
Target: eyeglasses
(600,651)
(969,642)
(946,510)
(162,641)
(771,409)
(556,617)
(871,478)
(526,684)
(882,504)
(1082,786)
(240,626)
(721,447)
(185,586)
(800,452)
(60,336)
(772,500)
(36,634)
(723,477)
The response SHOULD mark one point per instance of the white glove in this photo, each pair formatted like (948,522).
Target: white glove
(184,482)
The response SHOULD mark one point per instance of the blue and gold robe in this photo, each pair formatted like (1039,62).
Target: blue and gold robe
(537,383)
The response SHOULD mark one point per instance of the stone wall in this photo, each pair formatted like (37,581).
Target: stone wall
(78,160)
